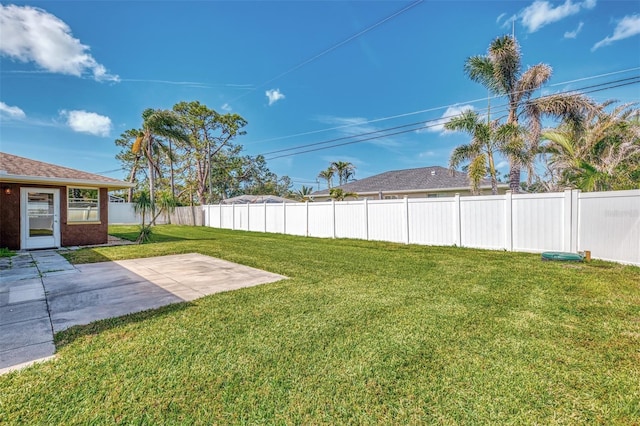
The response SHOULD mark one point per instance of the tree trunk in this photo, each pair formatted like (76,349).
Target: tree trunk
(514,178)
(152,189)
(132,176)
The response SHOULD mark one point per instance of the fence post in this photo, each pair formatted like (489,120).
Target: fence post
(508,221)
(566,228)
(248,222)
(284,217)
(366,218)
(575,194)
(406,220)
(333,218)
(265,216)
(306,206)
(233,216)
(457,227)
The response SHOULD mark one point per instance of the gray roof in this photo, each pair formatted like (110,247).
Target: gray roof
(259,199)
(421,179)
(19,169)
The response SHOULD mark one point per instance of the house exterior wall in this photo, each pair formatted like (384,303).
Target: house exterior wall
(10,217)
(82,234)
(71,234)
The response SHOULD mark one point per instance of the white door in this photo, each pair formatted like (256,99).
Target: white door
(40,214)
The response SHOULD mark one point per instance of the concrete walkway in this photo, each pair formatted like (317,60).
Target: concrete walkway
(42,294)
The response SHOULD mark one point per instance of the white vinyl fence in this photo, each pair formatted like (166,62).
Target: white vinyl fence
(124,214)
(605,223)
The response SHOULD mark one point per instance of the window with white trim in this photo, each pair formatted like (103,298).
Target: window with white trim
(83,204)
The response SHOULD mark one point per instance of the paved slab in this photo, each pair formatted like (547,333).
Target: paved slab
(41,293)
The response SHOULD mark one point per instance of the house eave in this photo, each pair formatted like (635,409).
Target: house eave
(42,180)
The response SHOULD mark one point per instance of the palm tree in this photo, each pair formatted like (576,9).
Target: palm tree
(486,138)
(339,194)
(157,125)
(601,154)
(328,176)
(345,171)
(500,70)
(303,193)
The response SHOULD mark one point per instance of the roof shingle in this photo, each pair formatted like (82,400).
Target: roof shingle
(420,179)
(13,165)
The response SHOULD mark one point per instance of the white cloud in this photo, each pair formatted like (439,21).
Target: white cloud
(31,34)
(12,111)
(542,12)
(88,122)
(426,154)
(627,27)
(274,96)
(226,107)
(574,33)
(437,126)
(499,18)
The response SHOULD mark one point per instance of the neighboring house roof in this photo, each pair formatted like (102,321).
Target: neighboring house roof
(423,179)
(250,199)
(24,170)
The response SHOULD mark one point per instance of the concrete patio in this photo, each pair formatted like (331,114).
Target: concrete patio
(42,294)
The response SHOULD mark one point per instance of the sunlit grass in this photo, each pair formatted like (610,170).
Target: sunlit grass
(361,332)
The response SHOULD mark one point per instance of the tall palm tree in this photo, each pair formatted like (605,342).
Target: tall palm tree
(500,70)
(345,171)
(486,138)
(327,175)
(157,125)
(602,154)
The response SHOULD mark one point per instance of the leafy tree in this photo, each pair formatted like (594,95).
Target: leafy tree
(210,134)
(500,71)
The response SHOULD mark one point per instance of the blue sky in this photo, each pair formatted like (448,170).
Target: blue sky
(74,75)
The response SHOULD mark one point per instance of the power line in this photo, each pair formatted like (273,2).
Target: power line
(437,121)
(332,48)
(407,114)
(595,88)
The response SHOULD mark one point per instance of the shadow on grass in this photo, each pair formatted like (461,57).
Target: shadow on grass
(68,336)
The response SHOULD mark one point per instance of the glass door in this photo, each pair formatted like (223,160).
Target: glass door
(40,218)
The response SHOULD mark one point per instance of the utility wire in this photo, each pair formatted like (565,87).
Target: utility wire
(407,114)
(496,109)
(595,88)
(332,48)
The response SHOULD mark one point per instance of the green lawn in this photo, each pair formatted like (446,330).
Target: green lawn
(361,333)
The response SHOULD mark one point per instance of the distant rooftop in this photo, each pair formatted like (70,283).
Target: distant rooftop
(420,179)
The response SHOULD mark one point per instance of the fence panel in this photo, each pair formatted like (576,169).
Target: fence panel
(275,218)
(321,223)
(607,224)
(351,220)
(610,225)
(296,219)
(431,221)
(482,222)
(538,222)
(387,220)
(226,216)
(123,214)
